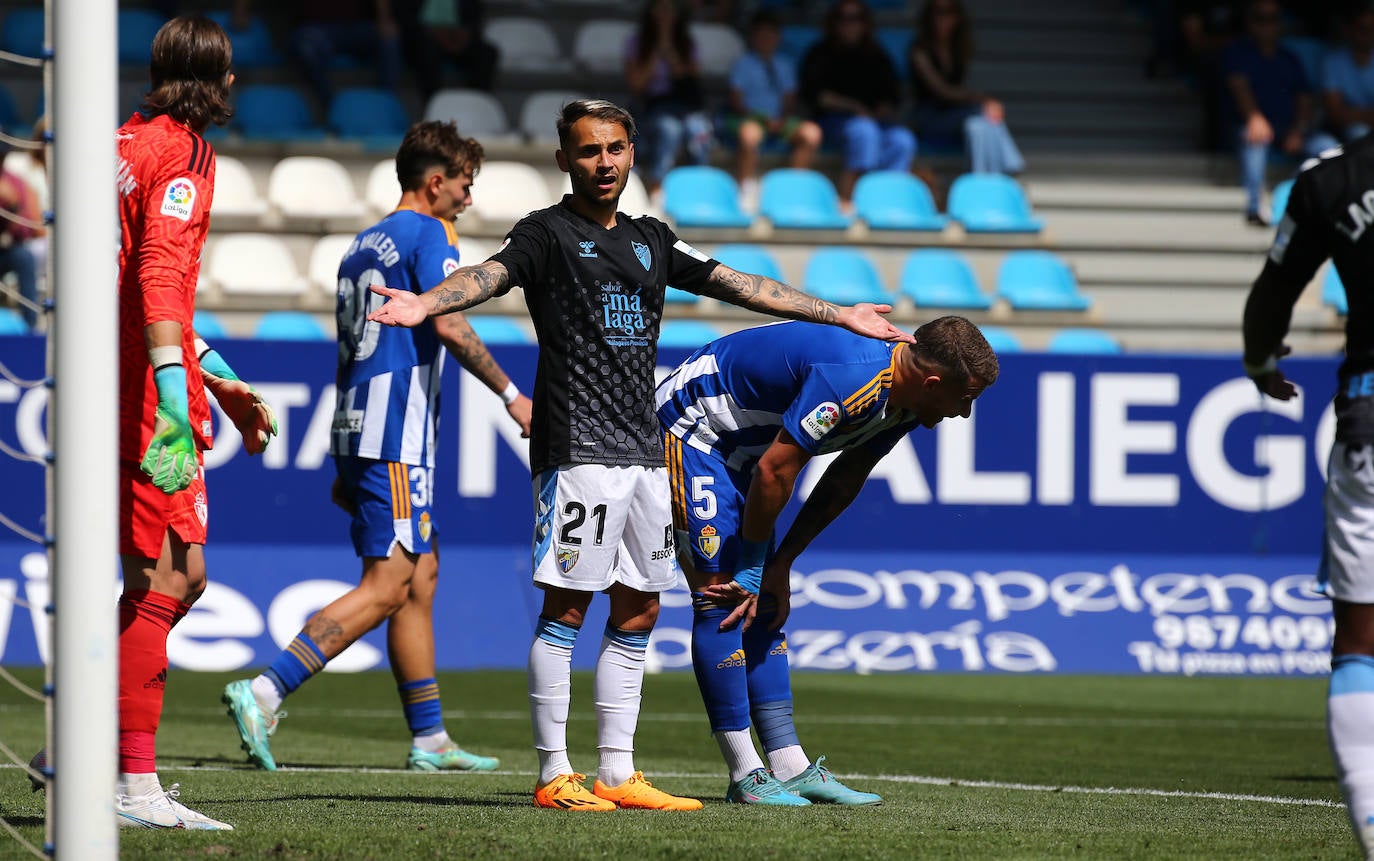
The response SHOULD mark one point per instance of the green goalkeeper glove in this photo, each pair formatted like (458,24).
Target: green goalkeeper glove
(171,456)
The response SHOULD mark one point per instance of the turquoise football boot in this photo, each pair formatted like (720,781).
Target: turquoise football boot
(450,757)
(818,785)
(761,787)
(254,727)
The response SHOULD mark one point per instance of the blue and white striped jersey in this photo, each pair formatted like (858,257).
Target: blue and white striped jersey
(388,378)
(826,386)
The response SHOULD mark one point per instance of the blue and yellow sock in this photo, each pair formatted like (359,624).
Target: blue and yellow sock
(718,661)
(770,693)
(300,660)
(420,701)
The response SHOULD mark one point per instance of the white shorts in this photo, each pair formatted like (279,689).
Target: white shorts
(1347,568)
(599,525)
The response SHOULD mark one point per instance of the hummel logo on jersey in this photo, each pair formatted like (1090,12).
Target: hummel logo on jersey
(158,681)
(587,247)
(646,259)
(736,659)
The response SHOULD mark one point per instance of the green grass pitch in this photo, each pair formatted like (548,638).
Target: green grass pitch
(969,767)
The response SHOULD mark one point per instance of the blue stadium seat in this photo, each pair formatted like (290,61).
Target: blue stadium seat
(1039,281)
(687,334)
(1001,340)
(137,27)
(207,325)
(674,296)
(795,197)
(1333,291)
(895,40)
(9,112)
(371,115)
(702,196)
(991,203)
(1278,200)
(797,39)
(289,326)
(896,200)
(843,276)
(12,323)
(22,32)
(1083,342)
(498,330)
(274,112)
(753,259)
(939,278)
(1311,52)
(253,48)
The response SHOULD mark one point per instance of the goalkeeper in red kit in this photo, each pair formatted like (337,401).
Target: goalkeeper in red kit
(166,179)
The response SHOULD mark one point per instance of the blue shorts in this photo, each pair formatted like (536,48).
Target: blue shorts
(391,505)
(708,504)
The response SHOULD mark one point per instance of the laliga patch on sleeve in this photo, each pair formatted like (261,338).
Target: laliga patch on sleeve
(690,251)
(450,266)
(504,243)
(179,201)
(821,420)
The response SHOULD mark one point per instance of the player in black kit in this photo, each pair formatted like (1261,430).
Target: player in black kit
(1329,215)
(594,281)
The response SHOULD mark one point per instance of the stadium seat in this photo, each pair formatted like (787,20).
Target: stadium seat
(1083,342)
(600,44)
(527,45)
(1039,281)
(1278,200)
(1001,340)
(896,200)
(843,276)
(795,197)
(371,115)
(310,187)
(718,46)
(207,325)
(510,190)
(939,278)
(22,32)
(498,330)
(753,259)
(991,203)
(274,113)
(1333,291)
(253,48)
(797,39)
(478,114)
(896,41)
(137,27)
(703,196)
(325,255)
(235,194)
(12,322)
(674,296)
(9,111)
(1310,51)
(383,188)
(540,111)
(254,264)
(686,334)
(473,251)
(289,326)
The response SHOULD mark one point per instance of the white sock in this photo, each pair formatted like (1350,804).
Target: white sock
(737,746)
(1350,724)
(617,685)
(788,762)
(433,742)
(550,681)
(139,784)
(266,693)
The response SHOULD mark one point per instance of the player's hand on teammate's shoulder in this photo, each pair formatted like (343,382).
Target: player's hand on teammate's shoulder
(403,308)
(867,319)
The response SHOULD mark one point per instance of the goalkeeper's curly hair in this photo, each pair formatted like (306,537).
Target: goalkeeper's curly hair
(957,347)
(189,67)
(430,144)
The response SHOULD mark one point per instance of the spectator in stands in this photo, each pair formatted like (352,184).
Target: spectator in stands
(947,111)
(763,104)
(853,91)
(31,165)
(1348,82)
(446,31)
(665,81)
(20,225)
(1270,104)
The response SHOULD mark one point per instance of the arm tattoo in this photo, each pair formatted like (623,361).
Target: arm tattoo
(758,293)
(471,353)
(326,634)
(470,286)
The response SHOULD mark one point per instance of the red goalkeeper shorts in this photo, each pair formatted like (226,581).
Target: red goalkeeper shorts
(146,513)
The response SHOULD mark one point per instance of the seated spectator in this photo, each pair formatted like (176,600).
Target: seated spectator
(17,200)
(947,111)
(665,82)
(763,101)
(853,91)
(1348,82)
(436,32)
(1270,104)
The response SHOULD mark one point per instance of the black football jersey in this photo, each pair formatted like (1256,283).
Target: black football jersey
(1330,214)
(596,299)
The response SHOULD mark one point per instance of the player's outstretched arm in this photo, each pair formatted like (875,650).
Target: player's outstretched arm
(466,287)
(464,345)
(767,296)
(251,415)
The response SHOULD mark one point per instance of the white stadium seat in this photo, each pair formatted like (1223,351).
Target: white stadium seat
(323,270)
(254,264)
(600,44)
(313,187)
(527,45)
(478,114)
(718,47)
(539,114)
(383,188)
(507,191)
(473,251)
(235,194)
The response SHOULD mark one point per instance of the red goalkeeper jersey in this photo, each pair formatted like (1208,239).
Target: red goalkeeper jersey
(166,180)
